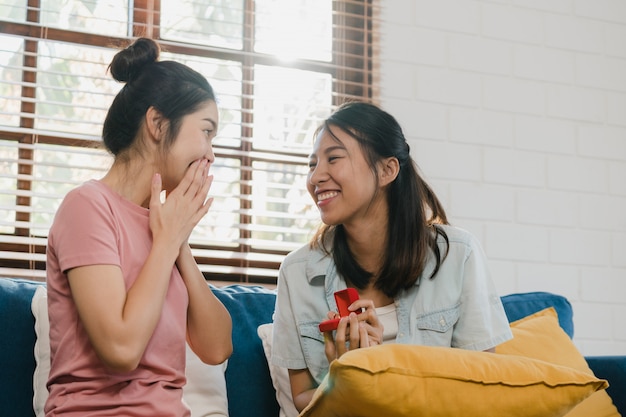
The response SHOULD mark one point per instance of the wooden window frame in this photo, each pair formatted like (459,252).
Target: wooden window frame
(353,79)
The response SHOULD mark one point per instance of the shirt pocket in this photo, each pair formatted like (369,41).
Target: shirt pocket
(312,341)
(436,327)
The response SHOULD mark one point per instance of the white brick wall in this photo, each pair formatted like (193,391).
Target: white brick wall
(516,113)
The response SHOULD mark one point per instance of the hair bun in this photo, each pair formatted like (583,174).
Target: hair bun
(128,63)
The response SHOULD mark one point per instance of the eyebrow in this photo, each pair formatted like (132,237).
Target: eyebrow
(213,122)
(329,150)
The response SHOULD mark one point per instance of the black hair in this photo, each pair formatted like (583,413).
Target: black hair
(172,88)
(414,209)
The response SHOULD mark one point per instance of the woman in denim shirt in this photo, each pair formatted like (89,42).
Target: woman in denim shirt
(385,233)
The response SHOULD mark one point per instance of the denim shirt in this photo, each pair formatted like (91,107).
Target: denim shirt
(459,307)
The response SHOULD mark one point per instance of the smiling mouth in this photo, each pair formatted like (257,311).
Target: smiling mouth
(327,195)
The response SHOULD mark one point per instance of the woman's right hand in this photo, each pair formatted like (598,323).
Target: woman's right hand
(354,331)
(184,207)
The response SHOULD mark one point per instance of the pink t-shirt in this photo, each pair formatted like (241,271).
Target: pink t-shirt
(95,225)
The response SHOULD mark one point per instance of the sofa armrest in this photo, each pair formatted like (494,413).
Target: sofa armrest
(613,369)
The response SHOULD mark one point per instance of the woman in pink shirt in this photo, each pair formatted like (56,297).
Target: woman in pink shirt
(124,291)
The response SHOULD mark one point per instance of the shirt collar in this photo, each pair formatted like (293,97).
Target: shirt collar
(317,264)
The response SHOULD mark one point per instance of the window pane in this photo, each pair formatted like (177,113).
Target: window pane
(212,23)
(294,29)
(13,10)
(74,90)
(104,17)
(289,106)
(8,185)
(57,170)
(11,55)
(284,214)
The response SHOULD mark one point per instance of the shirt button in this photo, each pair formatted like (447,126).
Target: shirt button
(442,321)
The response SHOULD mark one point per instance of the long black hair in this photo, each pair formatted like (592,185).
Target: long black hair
(414,210)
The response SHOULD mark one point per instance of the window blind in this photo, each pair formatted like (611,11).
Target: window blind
(278,68)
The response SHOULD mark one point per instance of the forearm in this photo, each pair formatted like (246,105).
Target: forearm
(303,387)
(145,298)
(209,325)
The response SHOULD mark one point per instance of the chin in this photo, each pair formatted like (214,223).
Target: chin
(329,221)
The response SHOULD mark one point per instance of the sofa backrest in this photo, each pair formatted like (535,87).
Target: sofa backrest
(518,306)
(248,382)
(17,342)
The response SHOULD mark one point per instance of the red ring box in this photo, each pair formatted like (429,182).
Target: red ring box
(343,298)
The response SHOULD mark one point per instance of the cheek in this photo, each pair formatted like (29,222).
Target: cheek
(309,187)
(189,148)
(175,166)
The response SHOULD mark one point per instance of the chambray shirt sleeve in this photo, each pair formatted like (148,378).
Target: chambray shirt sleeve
(482,322)
(286,349)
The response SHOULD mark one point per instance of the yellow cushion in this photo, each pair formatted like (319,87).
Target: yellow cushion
(404,380)
(539,336)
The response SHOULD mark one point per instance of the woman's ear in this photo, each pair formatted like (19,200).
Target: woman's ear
(390,167)
(155,123)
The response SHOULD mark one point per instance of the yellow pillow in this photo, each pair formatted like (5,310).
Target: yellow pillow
(407,380)
(539,336)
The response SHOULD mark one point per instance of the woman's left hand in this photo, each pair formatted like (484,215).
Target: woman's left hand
(184,207)
(354,331)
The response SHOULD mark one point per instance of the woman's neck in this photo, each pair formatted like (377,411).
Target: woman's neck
(131,181)
(367,237)
(368,244)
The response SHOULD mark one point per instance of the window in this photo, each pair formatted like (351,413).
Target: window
(277,66)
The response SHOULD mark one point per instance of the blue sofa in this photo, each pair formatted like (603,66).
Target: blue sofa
(249,386)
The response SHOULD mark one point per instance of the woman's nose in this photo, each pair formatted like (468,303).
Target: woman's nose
(317,175)
(210,155)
